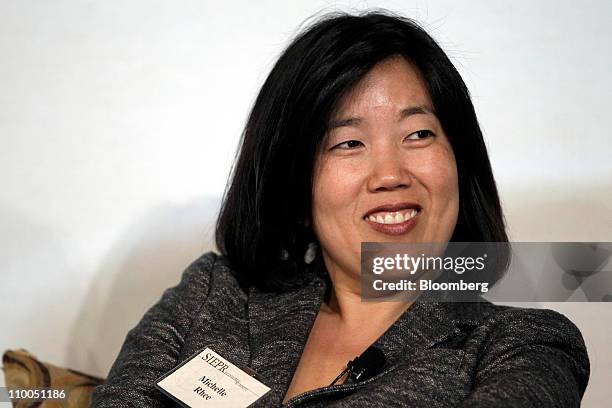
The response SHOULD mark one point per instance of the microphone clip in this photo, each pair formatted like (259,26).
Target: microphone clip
(365,366)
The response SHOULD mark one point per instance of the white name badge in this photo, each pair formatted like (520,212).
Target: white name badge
(209,380)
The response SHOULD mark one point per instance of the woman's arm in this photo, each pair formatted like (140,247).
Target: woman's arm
(537,359)
(152,348)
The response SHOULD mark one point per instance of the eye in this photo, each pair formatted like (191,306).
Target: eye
(420,135)
(348,145)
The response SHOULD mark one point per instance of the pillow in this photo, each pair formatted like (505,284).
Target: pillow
(23,370)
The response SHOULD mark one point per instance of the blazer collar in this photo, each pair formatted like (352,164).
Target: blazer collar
(279,324)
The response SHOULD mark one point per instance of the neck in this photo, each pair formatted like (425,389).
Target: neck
(346,305)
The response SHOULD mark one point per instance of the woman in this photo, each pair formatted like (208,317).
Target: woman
(363,131)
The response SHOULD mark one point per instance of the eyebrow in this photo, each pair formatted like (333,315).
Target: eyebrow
(405,113)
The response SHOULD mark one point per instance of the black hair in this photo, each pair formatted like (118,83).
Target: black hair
(262,226)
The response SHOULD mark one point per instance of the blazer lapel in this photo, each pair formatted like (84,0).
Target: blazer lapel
(279,324)
(426,324)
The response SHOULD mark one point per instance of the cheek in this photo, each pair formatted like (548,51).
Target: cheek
(438,172)
(336,186)
(446,177)
(336,191)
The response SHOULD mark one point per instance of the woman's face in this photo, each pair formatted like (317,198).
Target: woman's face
(386,171)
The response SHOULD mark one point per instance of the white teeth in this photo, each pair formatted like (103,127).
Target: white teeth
(394,217)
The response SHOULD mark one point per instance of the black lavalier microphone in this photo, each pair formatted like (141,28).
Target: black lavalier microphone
(367,365)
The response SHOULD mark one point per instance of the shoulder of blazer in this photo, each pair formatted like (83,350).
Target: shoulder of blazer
(540,342)
(201,279)
(213,272)
(517,325)
(530,321)
(528,325)
(511,321)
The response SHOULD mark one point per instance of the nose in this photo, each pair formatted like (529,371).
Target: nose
(388,172)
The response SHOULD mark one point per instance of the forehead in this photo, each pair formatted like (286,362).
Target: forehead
(393,84)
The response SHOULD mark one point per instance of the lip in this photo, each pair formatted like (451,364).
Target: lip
(393,207)
(394,229)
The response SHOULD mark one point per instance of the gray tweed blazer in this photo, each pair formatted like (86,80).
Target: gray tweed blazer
(438,354)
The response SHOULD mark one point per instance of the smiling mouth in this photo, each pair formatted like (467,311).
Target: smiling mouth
(398,219)
(393,217)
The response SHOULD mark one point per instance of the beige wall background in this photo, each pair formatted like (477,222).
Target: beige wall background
(119,121)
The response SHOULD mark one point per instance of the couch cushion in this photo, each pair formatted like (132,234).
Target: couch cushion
(23,370)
